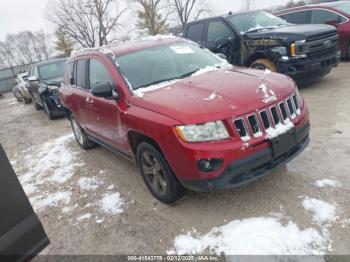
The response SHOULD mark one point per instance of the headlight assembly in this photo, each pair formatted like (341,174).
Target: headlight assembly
(280,49)
(210,131)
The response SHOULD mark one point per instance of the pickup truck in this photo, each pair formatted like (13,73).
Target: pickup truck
(261,40)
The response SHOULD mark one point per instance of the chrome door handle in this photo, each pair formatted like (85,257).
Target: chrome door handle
(89,100)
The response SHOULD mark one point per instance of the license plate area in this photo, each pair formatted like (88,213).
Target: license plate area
(283,143)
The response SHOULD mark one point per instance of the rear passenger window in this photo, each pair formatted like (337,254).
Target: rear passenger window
(324,16)
(81,74)
(302,17)
(98,74)
(195,32)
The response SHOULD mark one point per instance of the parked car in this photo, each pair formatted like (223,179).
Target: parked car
(22,235)
(261,40)
(332,13)
(188,118)
(45,78)
(20,91)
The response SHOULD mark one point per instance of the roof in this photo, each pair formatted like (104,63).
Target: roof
(326,4)
(131,46)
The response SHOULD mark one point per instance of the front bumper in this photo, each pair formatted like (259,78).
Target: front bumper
(54,103)
(246,170)
(309,67)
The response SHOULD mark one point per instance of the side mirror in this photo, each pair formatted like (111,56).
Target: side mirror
(104,90)
(32,78)
(332,22)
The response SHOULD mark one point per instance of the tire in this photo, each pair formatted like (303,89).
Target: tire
(263,64)
(165,187)
(27,100)
(36,105)
(47,110)
(15,95)
(82,139)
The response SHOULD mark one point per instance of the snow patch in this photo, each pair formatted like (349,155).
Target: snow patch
(258,236)
(322,212)
(211,97)
(83,217)
(141,91)
(41,202)
(326,182)
(268,94)
(112,203)
(89,183)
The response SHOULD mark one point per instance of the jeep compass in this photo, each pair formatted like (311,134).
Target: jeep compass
(187,117)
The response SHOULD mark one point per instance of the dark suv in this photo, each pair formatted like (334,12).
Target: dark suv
(188,118)
(44,79)
(261,40)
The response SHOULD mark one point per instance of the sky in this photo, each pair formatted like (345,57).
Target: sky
(19,15)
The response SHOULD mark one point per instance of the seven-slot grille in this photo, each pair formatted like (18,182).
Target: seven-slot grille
(254,124)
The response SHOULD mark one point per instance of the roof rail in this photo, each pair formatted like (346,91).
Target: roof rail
(103,49)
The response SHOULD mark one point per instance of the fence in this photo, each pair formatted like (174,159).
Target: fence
(8,77)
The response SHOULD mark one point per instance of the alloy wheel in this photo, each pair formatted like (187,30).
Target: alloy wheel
(153,172)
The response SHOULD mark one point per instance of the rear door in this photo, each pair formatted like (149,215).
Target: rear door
(21,232)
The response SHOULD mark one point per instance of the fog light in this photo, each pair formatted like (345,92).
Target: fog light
(209,165)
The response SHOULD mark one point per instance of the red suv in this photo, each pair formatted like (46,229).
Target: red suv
(333,13)
(188,118)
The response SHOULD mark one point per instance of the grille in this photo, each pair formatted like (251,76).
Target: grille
(321,36)
(320,45)
(254,124)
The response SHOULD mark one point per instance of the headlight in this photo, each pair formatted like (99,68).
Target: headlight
(204,132)
(52,87)
(293,49)
(280,49)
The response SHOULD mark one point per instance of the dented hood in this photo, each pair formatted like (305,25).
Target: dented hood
(216,95)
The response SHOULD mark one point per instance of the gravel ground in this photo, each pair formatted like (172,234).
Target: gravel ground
(94,202)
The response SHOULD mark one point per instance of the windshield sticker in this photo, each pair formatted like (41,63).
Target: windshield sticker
(181,49)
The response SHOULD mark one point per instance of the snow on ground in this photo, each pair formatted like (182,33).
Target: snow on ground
(50,173)
(322,212)
(327,182)
(258,236)
(89,183)
(112,203)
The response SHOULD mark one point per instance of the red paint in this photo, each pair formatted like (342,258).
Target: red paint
(158,112)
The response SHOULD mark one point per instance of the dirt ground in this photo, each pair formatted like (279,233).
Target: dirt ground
(78,225)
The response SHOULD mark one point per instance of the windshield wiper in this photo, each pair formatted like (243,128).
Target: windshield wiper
(170,79)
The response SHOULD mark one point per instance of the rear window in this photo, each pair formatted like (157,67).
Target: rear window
(51,71)
(195,32)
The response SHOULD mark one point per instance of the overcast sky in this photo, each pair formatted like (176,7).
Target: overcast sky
(19,15)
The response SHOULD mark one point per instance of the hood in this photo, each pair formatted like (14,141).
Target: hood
(217,95)
(293,33)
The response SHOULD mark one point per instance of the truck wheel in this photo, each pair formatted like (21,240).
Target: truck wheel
(27,100)
(80,135)
(47,110)
(263,64)
(158,175)
(37,106)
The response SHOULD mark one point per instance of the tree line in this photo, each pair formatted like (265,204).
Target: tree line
(92,23)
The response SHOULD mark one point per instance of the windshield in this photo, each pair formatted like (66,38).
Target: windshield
(344,7)
(256,20)
(51,71)
(164,63)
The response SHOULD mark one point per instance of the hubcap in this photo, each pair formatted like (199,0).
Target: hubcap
(153,172)
(77,132)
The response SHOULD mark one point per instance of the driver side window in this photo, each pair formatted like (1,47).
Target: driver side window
(217,30)
(98,74)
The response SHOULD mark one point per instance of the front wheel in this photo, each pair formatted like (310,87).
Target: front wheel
(80,135)
(263,64)
(48,110)
(158,175)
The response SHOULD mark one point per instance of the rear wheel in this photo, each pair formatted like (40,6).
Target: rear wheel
(263,64)
(27,100)
(158,175)
(80,135)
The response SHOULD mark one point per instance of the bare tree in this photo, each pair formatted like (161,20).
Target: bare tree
(150,16)
(187,9)
(86,22)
